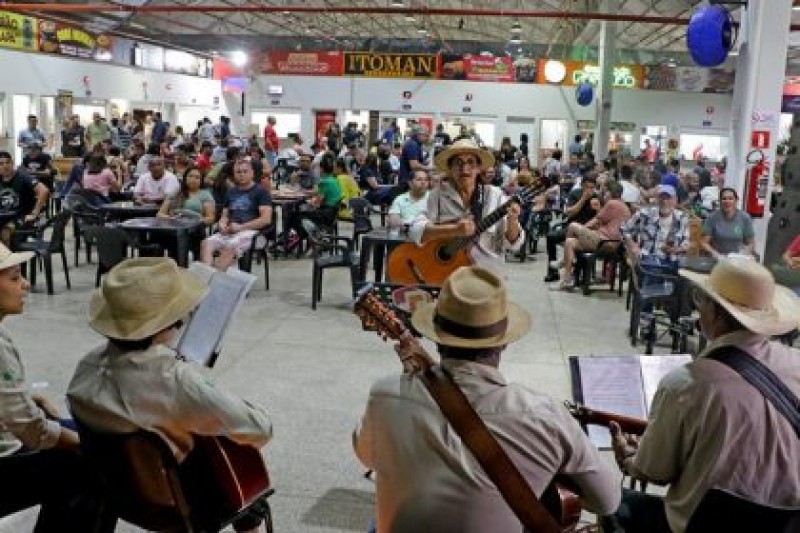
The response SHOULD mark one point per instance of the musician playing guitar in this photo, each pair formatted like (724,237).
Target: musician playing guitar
(427,478)
(461,200)
(135,381)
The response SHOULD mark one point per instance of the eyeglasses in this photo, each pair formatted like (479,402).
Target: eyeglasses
(463,163)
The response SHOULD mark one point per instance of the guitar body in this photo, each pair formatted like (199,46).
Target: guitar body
(563,505)
(429,264)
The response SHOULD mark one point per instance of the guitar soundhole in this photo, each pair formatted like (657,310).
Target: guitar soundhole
(444,254)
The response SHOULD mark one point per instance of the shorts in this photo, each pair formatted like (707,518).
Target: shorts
(587,238)
(241,241)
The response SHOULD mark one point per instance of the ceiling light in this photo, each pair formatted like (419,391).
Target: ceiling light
(238,58)
(555,71)
(516,27)
(397,3)
(515,39)
(410,18)
(422,30)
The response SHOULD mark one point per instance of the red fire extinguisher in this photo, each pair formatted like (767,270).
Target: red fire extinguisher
(756,184)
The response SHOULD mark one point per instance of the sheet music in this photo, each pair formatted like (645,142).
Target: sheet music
(655,367)
(611,384)
(206,329)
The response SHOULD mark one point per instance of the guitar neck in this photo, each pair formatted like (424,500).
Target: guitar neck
(628,424)
(485,223)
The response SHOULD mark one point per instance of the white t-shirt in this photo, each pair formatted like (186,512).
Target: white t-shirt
(151,189)
(630,192)
(709,195)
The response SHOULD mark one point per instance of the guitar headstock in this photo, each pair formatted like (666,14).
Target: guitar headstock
(378,316)
(528,193)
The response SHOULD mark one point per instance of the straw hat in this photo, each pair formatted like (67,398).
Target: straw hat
(463,146)
(472,312)
(142,296)
(748,292)
(9,259)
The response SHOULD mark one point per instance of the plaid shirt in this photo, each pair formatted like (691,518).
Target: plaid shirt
(643,228)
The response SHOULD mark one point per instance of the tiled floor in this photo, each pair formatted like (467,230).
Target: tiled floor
(312,370)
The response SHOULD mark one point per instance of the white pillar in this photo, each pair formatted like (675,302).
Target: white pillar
(605,88)
(760,71)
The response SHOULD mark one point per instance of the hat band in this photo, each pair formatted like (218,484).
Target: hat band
(470,332)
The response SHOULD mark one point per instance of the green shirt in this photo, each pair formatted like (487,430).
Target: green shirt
(330,191)
(195,203)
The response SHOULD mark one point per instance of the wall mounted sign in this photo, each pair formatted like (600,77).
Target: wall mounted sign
(57,38)
(384,65)
(575,72)
(302,63)
(18,31)
(477,67)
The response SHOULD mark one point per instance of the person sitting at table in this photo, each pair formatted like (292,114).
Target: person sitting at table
(23,198)
(97,177)
(40,460)
(191,201)
(367,176)
(408,205)
(349,186)
(247,210)
(323,205)
(728,230)
(39,165)
(157,184)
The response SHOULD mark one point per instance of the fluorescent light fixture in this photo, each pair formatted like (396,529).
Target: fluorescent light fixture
(238,58)
(515,39)
(398,3)
(422,30)
(410,18)
(516,27)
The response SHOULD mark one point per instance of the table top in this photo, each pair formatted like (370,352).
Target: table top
(129,206)
(702,264)
(157,223)
(383,235)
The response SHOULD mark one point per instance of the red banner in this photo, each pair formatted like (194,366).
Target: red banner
(488,68)
(302,63)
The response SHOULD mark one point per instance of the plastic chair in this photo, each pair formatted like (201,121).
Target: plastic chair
(259,248)
(112,247)
(661,290)
(330,251)
(44,249)
(83,217)
(720,510)
(612,253)
(144,484)
(362,223)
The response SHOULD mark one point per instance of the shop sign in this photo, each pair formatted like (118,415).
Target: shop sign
(625,76)
(57,38)
(383,65)
(302,63)
(477,67)
(18,31)
(689,79)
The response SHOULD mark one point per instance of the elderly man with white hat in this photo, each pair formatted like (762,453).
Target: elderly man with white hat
(461,201)
(426,478)
(710,425)
(136,381)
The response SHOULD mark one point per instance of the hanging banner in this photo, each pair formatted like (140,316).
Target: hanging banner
(18,31)
(625,76)
(58,38)
(383,65)
(302,63)
(477,67)
(689,79)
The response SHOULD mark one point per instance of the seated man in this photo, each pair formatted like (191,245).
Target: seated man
(658,235)
(426,478)
(606,225)
(39,166)
(407,206)
(247,210)
(157,184)
(22,199)
(579,209)
(710,428)
(135,381)
(40,462)
(324,204)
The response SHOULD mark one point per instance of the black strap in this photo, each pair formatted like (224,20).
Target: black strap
(476,205)
(763,379)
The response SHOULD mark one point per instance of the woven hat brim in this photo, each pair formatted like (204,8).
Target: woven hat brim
(519,324)
(103,320)
(486,159)
(782,316)
(14,259)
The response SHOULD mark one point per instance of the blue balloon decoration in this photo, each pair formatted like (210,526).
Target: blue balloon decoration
(584,93)
(710,35)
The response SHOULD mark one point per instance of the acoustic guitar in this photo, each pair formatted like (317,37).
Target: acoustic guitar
(561,503)
(434,261)
(586,415)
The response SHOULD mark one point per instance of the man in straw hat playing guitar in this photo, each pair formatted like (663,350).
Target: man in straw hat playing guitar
(427,478)
(461,201)
(709,426)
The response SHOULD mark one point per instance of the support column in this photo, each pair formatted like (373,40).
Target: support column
(607,53)
(755,116)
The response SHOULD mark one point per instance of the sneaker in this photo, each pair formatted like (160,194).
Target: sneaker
(555,265)
(552,275)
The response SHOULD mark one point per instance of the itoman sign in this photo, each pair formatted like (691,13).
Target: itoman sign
(380,65)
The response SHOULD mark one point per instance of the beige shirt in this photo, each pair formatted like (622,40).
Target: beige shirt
(122,392)
(21,420)
(710,428)
(428,481)
(445,206)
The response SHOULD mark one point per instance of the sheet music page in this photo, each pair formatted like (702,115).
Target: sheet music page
(611,384)
(655,367)
(206,329)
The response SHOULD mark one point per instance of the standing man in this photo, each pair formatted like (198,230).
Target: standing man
(407,206)
(441,140)
(73,138)
(247,210)
(460,202)
(22,198)
(708,427)
(426,478)
(97,132)
(412,157)
(159,129)
(156,184)
(271,143)
(30,135)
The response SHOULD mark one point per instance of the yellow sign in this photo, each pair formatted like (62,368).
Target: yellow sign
(386,65)
(18,31)
(624,76)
